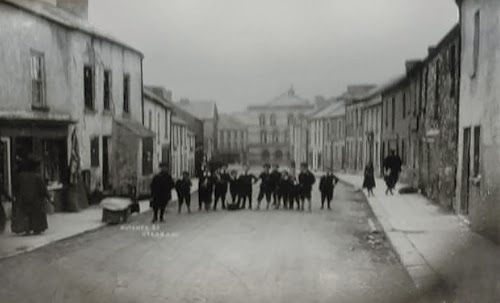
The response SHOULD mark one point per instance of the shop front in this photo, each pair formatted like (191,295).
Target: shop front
(47,140)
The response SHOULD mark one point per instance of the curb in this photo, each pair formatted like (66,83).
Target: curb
(421,274)
(101,226)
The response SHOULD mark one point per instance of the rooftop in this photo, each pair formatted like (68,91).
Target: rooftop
(286,99)
(228,121)
(333,110)
(57,15)
(203,110)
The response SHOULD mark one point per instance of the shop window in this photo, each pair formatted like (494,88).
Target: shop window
(126,93)
(37,79)
(94,152)
(107,90)
(88,86)
(147,156)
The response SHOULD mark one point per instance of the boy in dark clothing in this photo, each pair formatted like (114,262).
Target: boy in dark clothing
(205,190)
(274,184)
(306,181)
(183,187)
(285,189)
(246,180)
(221,183)
(265,187)
(326,186)
(295,193)
(161,192)
(234,186)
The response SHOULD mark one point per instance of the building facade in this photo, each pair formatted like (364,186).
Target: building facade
(181,147)
(478,190)
(233,136)
(72,82)
(372,131)
(269,128)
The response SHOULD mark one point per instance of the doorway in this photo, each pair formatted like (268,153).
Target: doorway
(464,194)
(5,165)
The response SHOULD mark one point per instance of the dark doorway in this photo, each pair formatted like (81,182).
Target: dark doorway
(105,162)
(464,195)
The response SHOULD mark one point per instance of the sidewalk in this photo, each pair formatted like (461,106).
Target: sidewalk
(63,226)
(436,246)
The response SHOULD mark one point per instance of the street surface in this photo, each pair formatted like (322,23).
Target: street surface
(239,256)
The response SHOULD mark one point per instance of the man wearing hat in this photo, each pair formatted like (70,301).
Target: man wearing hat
(275,182)
(326,186)
(265,186)
(161,192)
(306,181)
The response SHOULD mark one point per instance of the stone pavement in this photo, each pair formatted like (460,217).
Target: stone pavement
(436,246)
(63,226)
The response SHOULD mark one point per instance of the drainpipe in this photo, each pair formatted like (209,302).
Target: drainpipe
(142,90)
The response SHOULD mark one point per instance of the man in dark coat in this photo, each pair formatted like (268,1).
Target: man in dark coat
(246,181)
(205,190)
(392,167)
(306,181)
(161,192)
(234,187)
(221,184)
(266,189)
(274,182)
(326,186)
(183,187)
(285,188)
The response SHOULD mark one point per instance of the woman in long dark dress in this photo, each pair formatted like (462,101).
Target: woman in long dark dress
(369,180)
(30,198)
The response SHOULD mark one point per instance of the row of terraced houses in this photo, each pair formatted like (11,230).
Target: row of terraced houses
(74,97)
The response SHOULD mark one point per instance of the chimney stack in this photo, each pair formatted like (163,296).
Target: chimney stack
(79,8)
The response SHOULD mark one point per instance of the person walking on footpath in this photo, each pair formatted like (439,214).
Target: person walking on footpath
(369,179)
(246,181)
(3,215)
(265,187)
(205,190)
(274,184)
(326,187)
(221,185)
(306,181)
(392,169)
(161,192)
(183,187)
(29,209)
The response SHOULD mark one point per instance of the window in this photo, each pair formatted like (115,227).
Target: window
(426,89)
(126,93)
(37,79)
(263,136)
(403,111)
(477,150)
(94,152)
(150,119)
(475,53)
(273,120)
(290,119)
(88,86)
(147,156)
(262,120)
(107,89)
(452,67)
(276,136)
(158,127)
(386,103)
(403,151)
(393,112)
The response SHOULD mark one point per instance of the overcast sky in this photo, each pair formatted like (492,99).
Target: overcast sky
(241,52)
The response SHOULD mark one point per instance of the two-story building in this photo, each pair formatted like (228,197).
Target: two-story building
(65,87)
(478,189)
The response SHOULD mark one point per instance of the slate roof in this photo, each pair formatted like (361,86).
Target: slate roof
(178,120)
(333,110)
(157,99)
(227,121)
(57,15)
(203,110)
(394,81)
(288,98)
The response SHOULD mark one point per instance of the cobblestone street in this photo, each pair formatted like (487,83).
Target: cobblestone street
(244,256)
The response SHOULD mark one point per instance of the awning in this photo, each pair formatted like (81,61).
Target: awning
(135,127)
(34,124)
